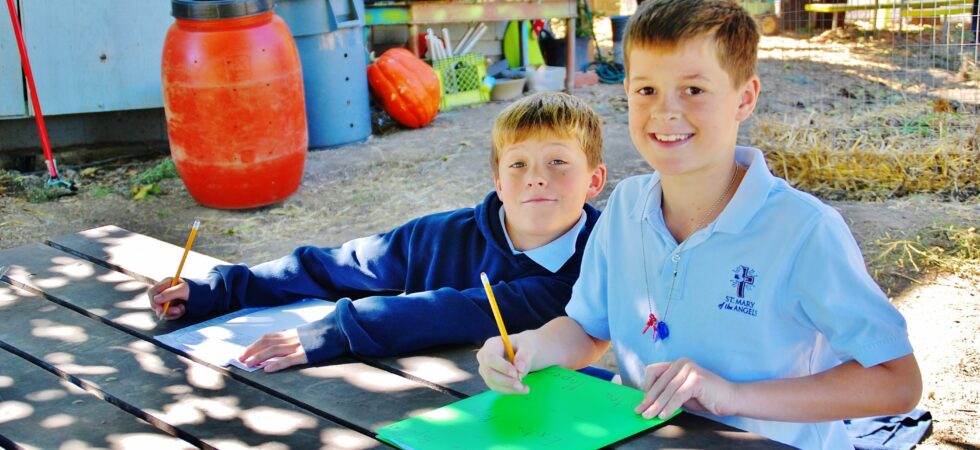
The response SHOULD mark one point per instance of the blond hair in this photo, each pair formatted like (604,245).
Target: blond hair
(666,23)
(547,114)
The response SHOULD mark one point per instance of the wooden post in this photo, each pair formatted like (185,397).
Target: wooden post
(413,39)
(874,18)
(975,24)
(522,29)
(569,54)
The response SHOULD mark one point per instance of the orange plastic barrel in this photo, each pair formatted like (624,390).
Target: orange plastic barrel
(233,98)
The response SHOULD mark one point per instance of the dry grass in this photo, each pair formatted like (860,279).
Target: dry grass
(876,154)
(945,249)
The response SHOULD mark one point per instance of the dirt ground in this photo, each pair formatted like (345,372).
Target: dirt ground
(373,186)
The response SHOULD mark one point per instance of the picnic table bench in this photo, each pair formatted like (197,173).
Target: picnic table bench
(79,367)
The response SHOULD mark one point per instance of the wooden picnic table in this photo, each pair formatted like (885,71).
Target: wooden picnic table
(907,8)
(79,368)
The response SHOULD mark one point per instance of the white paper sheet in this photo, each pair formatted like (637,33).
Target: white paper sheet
(221,340)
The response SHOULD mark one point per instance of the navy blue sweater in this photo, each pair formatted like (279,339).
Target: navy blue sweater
(414,287)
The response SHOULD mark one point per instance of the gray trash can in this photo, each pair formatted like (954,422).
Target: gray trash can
(330,38)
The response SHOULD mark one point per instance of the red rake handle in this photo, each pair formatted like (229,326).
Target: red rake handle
(42,130)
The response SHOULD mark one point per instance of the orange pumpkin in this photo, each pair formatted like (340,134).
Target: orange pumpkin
(407,86)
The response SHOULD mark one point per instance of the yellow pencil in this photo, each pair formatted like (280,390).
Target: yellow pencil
(496,315)
(187,249)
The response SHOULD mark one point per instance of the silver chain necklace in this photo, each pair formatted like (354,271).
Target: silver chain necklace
(660,329)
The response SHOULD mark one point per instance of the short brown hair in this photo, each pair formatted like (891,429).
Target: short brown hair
(667,23)
(547,114)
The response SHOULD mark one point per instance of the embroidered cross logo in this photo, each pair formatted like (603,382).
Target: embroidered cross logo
(744,276)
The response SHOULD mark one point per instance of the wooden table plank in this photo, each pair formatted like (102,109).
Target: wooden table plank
(139,256)
(197,403)
(345,390)
(452,367)
(690,431)
(33,399)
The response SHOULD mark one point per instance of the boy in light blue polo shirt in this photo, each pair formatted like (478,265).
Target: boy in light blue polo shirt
(726,291)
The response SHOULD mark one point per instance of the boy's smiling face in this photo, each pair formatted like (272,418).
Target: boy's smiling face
(684,110)
(543,183)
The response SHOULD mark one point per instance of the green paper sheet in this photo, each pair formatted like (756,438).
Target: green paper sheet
(565,410)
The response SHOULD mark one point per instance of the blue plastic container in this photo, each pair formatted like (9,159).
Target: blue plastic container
(330,38)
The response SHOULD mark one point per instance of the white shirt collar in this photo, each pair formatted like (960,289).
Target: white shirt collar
(553,255)
(750,196)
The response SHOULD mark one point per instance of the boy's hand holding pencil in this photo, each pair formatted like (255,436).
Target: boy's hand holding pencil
(171,290)
(496,369)
(506,374)
(164,293)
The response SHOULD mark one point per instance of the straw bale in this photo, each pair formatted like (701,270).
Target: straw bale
(877,154)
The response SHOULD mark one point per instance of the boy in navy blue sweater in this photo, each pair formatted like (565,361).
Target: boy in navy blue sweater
(418,286)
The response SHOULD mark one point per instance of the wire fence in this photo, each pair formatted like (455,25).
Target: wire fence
(916,46)
(932,42)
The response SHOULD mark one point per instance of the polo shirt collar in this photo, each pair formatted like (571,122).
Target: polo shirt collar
(747,201)
(555,254)
(652,189)
(751,194)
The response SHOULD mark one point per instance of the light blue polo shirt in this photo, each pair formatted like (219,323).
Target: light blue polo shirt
(775,287)
(555,254)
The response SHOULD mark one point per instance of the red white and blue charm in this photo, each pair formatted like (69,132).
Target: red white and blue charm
(660,329)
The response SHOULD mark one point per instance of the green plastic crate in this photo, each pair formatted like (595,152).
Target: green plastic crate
(461,80)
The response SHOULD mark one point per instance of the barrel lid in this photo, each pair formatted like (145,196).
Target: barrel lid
(218,9)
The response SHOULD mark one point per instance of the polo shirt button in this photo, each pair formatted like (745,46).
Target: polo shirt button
(676,257)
